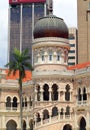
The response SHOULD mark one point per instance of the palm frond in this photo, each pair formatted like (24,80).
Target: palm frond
(20,62)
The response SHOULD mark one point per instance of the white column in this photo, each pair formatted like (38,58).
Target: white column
(75,119)
(50,114)
(27,123)
(59,114)
(28,103)
(50,91)
(35,94)
(41,90)
(64,115)
(88,119)
(41,115)
(63,95)
(3,122)
(81,97)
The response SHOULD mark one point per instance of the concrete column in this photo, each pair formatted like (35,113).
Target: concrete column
(64,116)
(50,93)
(88,120)
(70,95)
(3,121)
(28,123)
(50,118)
(63,95)
(35,94)
(41,115)
(75,118)
(41,90)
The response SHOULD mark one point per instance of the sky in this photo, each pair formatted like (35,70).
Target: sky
(66,9)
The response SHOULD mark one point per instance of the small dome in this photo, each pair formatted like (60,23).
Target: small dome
(50,26)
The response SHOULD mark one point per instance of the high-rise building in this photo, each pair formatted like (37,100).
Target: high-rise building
(72,56)
(83,11)
(23,15)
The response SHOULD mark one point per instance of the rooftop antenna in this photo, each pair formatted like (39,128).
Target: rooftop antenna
(50,6)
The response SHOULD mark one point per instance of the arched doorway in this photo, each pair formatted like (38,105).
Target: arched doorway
(45,114)
(24,125)
(67,127)
(82,124)
(54,111)
(54,92)
(46,92)
(31,124)
(11,125)
(67,93)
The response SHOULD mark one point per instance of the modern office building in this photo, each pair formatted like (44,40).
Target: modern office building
(73,53)
(83,12)
(55,96)
(23,15)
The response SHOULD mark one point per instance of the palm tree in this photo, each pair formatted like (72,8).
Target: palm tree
(20,63)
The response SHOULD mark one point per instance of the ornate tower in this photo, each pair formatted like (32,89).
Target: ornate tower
(50,45)
(50,54)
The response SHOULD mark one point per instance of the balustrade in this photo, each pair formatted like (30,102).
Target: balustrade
(51,119)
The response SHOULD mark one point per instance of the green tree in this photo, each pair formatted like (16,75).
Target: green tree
(20,63)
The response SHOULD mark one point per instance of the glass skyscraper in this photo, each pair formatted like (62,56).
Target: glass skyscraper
(23,14)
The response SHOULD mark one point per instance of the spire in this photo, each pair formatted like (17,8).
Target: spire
(50,6)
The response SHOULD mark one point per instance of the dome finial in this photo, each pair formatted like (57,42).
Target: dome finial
(50,6)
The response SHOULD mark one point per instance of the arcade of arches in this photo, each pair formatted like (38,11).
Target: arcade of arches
(11,125)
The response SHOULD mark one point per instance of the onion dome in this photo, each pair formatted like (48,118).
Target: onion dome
(50,26)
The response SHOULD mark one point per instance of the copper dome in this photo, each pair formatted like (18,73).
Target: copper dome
(50,26)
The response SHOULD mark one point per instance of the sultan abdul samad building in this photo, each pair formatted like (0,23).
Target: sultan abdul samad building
(55,96)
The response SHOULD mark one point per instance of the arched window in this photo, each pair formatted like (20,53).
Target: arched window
(79,94)
(42,56)
(82,124)
(25,102)
(45,114)
(54,92)
(8,102)
(67,93)
(67,110)
(24,125)
(38,119)
(50,55)
(84,94)
(22,102)
(54,111)
(46,92)
(36,55)
(58,56)
(11,125)
(30,101)
(67,127)
(31,124)
(14,104)
(62,111)
(38,93)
